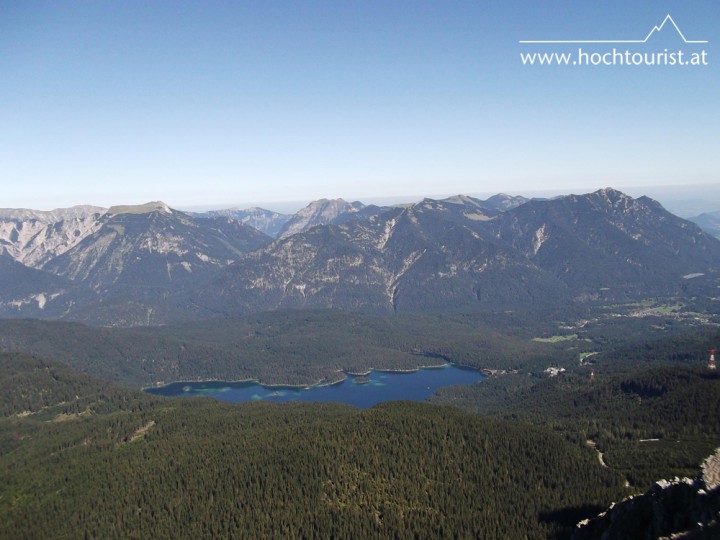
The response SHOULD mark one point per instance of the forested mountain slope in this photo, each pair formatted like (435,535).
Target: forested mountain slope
(648,424)
(290,347)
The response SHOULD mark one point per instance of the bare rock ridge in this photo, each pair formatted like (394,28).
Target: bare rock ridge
(50,216)
(153,246)
(123,260)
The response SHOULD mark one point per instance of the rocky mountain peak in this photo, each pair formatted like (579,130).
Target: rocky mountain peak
(462,199)
(320,212)
(612,195)
(147,208)
(502,202)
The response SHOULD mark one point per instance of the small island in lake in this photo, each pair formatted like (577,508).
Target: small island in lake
(361,380)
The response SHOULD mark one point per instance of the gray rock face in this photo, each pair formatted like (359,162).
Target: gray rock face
(679,508)
(711,471)
(34,237)
(152,248)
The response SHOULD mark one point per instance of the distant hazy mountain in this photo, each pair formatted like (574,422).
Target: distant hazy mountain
(326,211)
(489,207)
(265,221)
(708,222)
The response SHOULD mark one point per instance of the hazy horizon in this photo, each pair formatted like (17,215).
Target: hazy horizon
(197,103)
(684,201)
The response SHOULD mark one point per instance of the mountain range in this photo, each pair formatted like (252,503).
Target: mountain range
(150,264)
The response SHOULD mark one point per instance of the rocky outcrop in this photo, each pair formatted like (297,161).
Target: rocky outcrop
(679,508)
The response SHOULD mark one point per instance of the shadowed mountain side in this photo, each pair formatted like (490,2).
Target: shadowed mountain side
(607,240)
(27,292)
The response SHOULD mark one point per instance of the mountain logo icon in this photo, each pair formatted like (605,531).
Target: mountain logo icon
(656,29)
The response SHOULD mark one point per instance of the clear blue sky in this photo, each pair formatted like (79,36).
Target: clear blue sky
(220,103)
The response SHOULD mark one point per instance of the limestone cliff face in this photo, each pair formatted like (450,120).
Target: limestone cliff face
(679,508)
(34,237)
(153,248)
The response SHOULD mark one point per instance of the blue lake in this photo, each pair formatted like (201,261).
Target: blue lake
(380,386)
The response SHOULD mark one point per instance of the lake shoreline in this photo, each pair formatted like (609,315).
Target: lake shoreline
(318,384)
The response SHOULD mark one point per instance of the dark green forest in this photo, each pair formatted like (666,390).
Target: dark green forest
(128,465)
